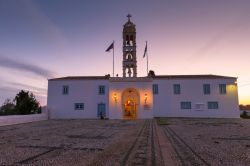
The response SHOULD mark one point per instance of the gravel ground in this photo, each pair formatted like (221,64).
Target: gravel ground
(80,142)
(122,142)
(209,141)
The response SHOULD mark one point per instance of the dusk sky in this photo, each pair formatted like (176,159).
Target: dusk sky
(42,39)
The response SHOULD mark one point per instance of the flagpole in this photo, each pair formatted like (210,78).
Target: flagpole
(147,57)
(113,58)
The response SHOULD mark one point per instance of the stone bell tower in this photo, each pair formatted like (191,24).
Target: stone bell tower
(129,63)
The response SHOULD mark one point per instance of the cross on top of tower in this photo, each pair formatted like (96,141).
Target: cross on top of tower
(129,16)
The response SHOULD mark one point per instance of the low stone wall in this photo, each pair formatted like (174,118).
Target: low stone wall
(17,119)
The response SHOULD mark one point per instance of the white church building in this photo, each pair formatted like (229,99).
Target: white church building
(132,97)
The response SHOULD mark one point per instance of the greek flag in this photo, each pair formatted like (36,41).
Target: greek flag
(145,51)
(110,47)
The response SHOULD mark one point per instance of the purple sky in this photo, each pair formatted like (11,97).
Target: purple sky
(45,39)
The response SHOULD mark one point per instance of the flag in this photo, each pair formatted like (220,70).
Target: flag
(145,51)
(110,47)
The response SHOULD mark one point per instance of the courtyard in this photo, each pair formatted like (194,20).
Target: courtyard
(177,141)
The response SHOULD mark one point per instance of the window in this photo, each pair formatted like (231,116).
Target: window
(155,88)
(79,106)
(212,105)
(65,89)
(177,89)
(206,89)
(223,88)
(186,105)
(101,90)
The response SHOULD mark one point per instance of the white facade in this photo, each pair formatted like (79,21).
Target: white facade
(61,106)
(165,103)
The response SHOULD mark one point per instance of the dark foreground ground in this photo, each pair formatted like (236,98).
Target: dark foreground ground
(209,141)
(80,142)
(123,142)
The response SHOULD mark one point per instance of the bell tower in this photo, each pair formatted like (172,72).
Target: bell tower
(129,63)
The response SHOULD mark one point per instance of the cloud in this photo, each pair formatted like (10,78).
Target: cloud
(10,89)
(26,67)
(9,92)
(37,90)
(232,32)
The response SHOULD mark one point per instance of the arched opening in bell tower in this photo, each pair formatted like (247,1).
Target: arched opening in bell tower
(129,57)
(129,72)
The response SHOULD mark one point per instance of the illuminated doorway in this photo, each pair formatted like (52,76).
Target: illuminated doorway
(130,102)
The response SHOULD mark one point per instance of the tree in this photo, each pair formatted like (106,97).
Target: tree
(26,103)
(8,108)
(244,107)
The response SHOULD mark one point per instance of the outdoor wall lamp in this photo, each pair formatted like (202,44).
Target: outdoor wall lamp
(115,97)
(146,98)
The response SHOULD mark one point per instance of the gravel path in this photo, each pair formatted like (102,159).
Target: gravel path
(122,142)
(145,150)
(80,142)
(209,141)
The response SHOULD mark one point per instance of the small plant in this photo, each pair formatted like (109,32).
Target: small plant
(162,121)
(244,115)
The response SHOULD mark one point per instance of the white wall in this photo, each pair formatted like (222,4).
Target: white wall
(80,91)
(17,119)
(163,104)
(167,104)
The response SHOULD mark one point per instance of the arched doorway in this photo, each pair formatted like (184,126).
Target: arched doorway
(130,103)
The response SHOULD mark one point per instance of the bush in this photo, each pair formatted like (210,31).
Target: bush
(162,121)
(244,115)
(8,108)
(151,74)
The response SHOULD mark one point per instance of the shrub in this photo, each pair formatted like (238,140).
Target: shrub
(244,115)
(162,121)
(8,108)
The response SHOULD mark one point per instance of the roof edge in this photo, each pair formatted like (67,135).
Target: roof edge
(202,76)
(107,77)
(81,78)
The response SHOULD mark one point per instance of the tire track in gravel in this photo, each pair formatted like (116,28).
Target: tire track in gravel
(153,157)
(143,149)
(135,144)
(186,155)
(48,149)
